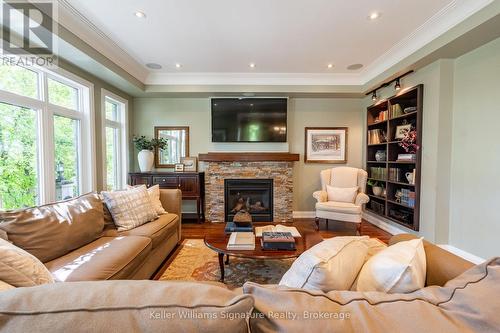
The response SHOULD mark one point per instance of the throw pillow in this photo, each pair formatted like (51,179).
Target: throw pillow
(21,269)
(5,286)
(340,194)
(330,265)
(154,195)
(399,268)
(130,208)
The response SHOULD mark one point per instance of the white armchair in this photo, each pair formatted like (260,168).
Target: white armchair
(343,177)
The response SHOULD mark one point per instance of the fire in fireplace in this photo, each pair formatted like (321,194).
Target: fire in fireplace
(249,196)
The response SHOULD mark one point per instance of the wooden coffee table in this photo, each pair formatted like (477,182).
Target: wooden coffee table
(217,241)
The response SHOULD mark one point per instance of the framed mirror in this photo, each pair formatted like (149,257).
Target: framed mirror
(177,148)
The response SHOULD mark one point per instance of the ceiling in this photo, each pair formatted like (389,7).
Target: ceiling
(215,41)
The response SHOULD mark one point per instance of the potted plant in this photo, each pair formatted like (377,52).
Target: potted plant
(146,146)
(377,187)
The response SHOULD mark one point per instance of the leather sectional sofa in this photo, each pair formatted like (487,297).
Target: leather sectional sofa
(78,241)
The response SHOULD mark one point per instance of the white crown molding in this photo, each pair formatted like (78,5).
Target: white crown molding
(444,20)
(253,79)
(448,17)
(82,27)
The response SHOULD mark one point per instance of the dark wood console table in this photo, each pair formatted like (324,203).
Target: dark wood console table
(192,185)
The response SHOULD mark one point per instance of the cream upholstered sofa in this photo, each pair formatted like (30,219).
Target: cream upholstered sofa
(343,177)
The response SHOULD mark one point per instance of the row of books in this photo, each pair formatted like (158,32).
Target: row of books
(378,173)
(407,197)
(382,115)
(376,136)
(396,175)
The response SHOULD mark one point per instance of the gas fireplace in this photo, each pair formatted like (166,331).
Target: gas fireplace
(249,196)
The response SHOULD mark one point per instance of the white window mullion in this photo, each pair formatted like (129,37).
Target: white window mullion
(47,156)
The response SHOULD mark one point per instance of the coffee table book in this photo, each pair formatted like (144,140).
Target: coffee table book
(241,241)
(237,227)
(278,241)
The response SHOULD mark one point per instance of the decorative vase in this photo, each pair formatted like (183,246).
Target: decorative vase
(146,159)
(377,190)
(380,156)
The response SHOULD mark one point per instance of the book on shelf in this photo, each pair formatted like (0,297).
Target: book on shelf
(382,115)
(395,175)
(276,228)
(378,173)
(241,241)
(376,136)
(407,197)
(237,227)
(410,109)
(396,111)
(406,157)
(277,241)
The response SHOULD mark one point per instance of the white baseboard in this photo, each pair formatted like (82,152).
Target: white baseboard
(463,254)
(384,225)
(304,214)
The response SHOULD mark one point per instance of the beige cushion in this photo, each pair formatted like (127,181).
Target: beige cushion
(50,231)
(159,229)
(466,304)
(399,268)
(125,306)
(130,208)
(21,269)
(154,196)
(104,259)
(341,194)
(332,264)
(339,207)
(5,286)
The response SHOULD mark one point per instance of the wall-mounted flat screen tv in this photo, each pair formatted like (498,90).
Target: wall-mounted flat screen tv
(249,119)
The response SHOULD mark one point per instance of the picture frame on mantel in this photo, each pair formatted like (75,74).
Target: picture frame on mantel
(326,145)
(178,145)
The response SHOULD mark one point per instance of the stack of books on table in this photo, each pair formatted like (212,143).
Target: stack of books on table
(238,227)
(241,241)
(277,241)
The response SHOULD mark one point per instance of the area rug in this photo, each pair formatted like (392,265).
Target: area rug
(193,261)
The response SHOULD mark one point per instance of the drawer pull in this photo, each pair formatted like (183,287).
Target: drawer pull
(163,180)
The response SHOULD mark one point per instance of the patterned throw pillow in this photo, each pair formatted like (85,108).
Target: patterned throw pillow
(154,195)
(21,269)
(130,208)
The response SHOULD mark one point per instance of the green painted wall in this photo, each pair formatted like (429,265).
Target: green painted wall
(302,112)
(475,186)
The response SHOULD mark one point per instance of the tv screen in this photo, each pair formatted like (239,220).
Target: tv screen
(249,119)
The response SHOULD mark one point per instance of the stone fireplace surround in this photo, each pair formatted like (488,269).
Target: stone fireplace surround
(275,166)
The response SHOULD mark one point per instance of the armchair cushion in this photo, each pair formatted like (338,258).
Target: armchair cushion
(361,199)
(339,207)
(342,194)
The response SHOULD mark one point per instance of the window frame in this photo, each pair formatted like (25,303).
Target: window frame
(122,165)
(45,132)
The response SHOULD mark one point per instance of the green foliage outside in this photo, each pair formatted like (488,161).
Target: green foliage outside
(18,139)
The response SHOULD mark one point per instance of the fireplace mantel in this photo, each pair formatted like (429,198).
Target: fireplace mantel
(248,157)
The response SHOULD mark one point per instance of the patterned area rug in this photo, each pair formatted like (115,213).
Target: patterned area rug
(194,261)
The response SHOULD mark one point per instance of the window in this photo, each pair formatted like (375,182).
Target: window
(115,138)
(45,137)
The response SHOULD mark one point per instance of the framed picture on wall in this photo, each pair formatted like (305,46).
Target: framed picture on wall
(190,163)
(325,145)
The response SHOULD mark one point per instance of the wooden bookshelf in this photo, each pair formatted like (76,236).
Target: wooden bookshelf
(388,207)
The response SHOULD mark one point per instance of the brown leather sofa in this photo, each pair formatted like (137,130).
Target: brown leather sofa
(78,241)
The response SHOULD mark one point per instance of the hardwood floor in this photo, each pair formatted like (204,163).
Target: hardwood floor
(190,229)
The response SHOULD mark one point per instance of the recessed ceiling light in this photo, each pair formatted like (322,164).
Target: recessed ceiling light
(178,65)
(374,16)
(330,66)
(251,65)
(140,14)
(354,67)
(153,65)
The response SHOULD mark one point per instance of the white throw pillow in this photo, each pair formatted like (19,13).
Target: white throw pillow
(330,265)
(154,195)
(341,194)
(130,208)
(20,268)
(399,268)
